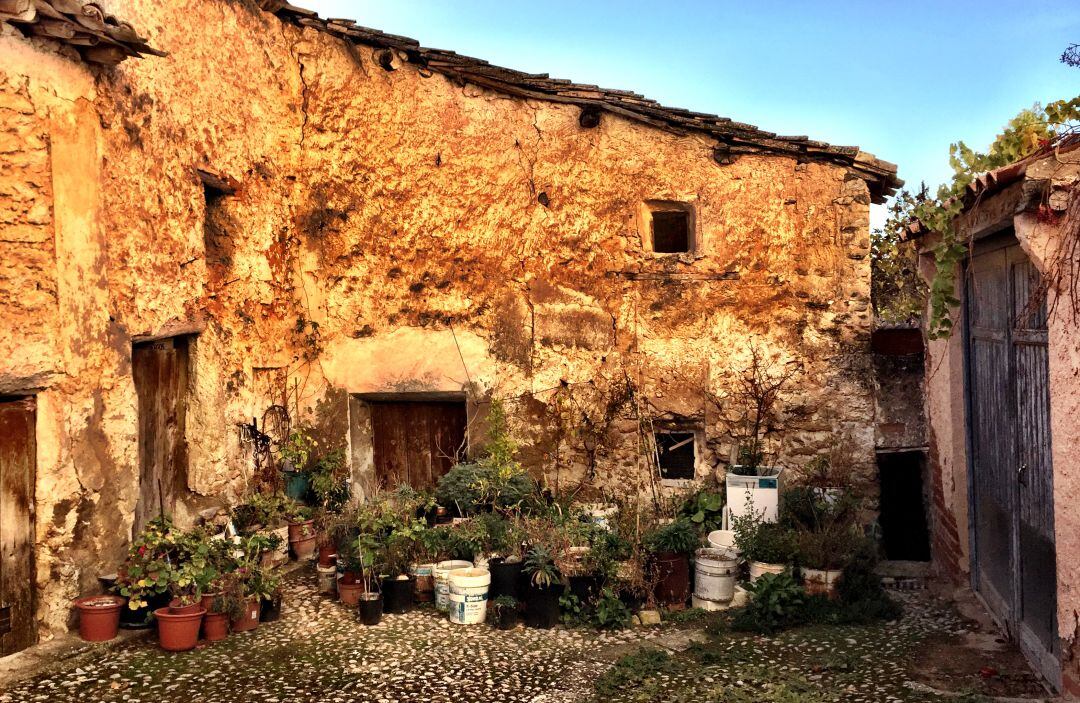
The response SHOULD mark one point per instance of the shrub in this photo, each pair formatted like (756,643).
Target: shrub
(679,537)
(767,542)
(776,602)
(610,613)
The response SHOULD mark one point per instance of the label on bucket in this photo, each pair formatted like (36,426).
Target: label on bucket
(468,609)
(766,483)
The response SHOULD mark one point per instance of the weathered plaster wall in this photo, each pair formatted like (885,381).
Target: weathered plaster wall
(392,231)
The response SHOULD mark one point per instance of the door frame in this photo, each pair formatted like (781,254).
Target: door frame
(1006,613)
(31,402)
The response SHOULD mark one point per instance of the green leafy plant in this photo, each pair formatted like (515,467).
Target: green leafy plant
(574,613)
(776,602)
(704,508)
(540,566)
(766,542)
(609,612)
(296,450)
(678,536)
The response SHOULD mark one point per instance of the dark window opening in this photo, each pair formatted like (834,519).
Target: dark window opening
(671,232)
(676,455)
(904,532)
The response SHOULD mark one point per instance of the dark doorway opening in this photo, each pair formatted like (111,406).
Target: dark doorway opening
(904,531)
(161,370)
(18,464)
(416,442)
(671,232)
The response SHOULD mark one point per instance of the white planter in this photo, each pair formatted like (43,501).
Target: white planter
(469,596)
(821,582)
(442,581)
(759,494)
(760,568)
(723,539)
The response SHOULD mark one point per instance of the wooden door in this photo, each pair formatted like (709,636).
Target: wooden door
(18,452)
(1012,516)
(160,370)
(415,443)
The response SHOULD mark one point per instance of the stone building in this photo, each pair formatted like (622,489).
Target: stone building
(260,208)
(1003,397)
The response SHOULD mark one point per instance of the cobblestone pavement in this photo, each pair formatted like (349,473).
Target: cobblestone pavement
(318,652)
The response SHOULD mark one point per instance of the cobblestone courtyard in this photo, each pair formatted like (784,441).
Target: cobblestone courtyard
(317,652)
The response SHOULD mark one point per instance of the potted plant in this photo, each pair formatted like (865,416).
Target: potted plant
(178,632)
(768,546)
(302,536)
(143,578)
(822,556)
(504,612)
(370,600)
(669,546)
(99,617)
(264,515)
(294,455)
(544,587)
(506,562)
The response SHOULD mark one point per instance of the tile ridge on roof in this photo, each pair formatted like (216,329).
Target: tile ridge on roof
(879,174)
(98,37)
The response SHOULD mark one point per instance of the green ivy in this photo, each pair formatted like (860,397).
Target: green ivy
(1026,134)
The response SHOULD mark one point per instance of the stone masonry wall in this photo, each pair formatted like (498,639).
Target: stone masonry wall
(392,231)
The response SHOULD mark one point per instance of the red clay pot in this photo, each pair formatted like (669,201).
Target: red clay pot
(349,577)
(99,617)
(301,530)
(215,627)
(349,593)
(250,619)
(175,608)
(327,555)
(208,602)
(303,549)
(178,633)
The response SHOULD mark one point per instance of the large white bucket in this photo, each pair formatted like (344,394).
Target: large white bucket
(469,595)
(760,568)
(715,574)
(723,539)
(442,581)
(327,580)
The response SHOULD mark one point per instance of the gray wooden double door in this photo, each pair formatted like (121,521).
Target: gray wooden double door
(1012,478)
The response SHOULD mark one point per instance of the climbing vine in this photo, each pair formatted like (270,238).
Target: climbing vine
(1030,132)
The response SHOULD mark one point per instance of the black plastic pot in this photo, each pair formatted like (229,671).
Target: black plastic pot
(542,606)
(398,594)
(505,618)
(585,588)
(271,609)
(143,619)
(370,610)
(505,579)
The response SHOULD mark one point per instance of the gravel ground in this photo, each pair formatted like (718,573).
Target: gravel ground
(318,652)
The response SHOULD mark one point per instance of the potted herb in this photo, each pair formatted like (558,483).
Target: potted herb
(669,546)
(506,562)
(544,588)
(768,546)
(294,456)
(822,556)
(302,537)
(504,612)
(399,551)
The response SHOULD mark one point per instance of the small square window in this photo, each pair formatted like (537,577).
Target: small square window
(671,232)
(676,454)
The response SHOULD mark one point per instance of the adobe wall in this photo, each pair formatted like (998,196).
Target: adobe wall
(392,232)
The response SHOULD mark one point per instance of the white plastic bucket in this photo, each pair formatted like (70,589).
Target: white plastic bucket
(715,573)
(723,539)
(442,581)
(760,568)
(327,580)
(469,595)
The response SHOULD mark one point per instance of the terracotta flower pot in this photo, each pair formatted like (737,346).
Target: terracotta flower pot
(215,627)
(176,607)
(303,549)
(208,602)
(327,555)
(301,530)
(99,617)
(178,633)
(250,618)
(349,593)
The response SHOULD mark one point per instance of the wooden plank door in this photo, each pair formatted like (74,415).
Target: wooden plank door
(416,442)
(160,370)
(1012,516)
(18,453)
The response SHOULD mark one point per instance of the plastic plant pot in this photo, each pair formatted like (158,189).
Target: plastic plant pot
(370,609)
(178,633)
(99,617)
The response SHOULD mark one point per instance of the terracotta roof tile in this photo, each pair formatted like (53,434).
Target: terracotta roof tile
(98,37)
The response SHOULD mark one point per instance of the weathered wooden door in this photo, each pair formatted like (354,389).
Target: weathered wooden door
(415,443)
(160,369)
(1012,480)
(18,452)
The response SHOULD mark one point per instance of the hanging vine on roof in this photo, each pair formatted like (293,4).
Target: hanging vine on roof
(1031,131)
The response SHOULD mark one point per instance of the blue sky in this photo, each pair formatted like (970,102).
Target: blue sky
(900,79)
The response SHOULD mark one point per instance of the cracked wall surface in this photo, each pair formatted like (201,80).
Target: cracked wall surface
(392,231)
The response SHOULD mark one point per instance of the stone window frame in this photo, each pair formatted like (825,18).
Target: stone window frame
(699,452)
(645,219)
